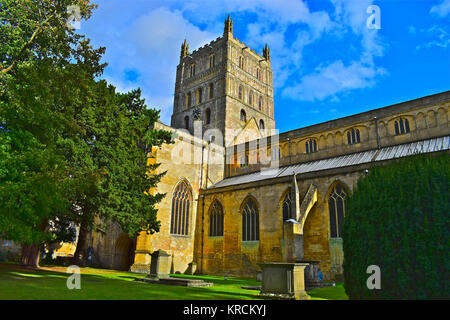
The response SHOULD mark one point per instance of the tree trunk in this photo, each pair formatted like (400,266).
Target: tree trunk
(81,244)
(30,255)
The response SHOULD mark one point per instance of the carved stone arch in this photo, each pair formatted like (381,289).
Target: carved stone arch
(431,119)
(124,248)
(216,199)
(382,129)
(250,214)
(181,208)
(283,195)
(411,124)
(420,121)
(335,182)
(322,142)
(281,202)
(248,196)
(185,180)
(216,221)
(346,189)
(330,140)
(442,118)
(338,138)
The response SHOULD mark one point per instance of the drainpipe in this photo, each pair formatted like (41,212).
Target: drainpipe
(376,132)
(202,196)
(203,229)
(289,142)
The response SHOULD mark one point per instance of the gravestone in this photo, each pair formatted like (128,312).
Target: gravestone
(311,274)
(192,268)
(283,280)
(160,266)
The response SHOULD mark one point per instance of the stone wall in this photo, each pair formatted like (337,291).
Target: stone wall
(230,255)
(192,170)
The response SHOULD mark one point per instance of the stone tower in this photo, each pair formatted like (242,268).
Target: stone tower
(224,85)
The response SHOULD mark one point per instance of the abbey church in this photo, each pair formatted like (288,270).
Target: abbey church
(238,192)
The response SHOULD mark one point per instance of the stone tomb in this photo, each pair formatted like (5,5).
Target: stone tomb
(282,280)
(160,269)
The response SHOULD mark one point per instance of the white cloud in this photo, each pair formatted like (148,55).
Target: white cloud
(327,81)
(441,38)
(150,47)
(442,9)
(145,38)
(338,77)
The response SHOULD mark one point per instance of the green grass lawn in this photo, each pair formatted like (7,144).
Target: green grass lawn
(50,283)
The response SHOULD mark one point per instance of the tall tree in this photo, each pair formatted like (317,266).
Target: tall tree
(61,132)
(44,69)
(122,134)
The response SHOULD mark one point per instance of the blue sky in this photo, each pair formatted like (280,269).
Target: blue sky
(327,63)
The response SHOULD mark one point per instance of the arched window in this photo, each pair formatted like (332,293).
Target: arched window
(261,124)
(241,62)
(212,60)
(208,116)
(188,100)
(353,136)
(336,208)
(401,126)
(241,93)
(260,103)
(250,221)
(211,90)
(250,98)
(243,115)
(311,146)
(199,95)
(216,220)
(287,206)
(186,122)
(181,205)
(192,70)
(258,74)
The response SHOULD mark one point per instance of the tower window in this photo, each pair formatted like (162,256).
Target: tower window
(311,146)
(216,220)
(241,62)
(186,122)
(250,98)
(250,221)
(336,208)
(181,203)
(258,74)
(243,116)
(261,124)
(212,60)
(192,70)
(260,103)
(199,95)
(353,136)
(188,100)
(240,92)
(208,116)
(211,90)
(401,126)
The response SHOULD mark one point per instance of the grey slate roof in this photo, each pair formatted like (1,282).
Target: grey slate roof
(385,153)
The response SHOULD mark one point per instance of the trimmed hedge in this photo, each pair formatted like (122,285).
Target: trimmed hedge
(398,218)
